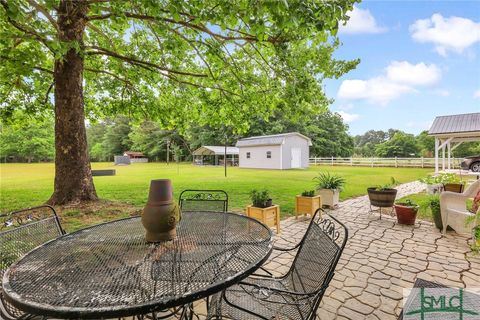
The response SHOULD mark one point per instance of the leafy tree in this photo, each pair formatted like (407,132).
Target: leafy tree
(467,149)
(426,144)
(95,135)
(116,139)
(32,141)
(400,145)
(365,144)
(175,61)
(330,136)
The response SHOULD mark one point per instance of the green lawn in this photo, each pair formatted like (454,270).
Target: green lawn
(25,185)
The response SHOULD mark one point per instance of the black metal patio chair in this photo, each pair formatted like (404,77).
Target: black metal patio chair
(20,232)
(203,200)
(295,295)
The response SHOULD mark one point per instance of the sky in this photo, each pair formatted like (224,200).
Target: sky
(419,60)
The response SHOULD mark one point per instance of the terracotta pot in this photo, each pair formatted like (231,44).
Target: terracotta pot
(159,217)
(406,214)
(382,198)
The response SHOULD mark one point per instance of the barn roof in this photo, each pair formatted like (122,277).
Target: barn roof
(275,139)
(214,150)
(456,124)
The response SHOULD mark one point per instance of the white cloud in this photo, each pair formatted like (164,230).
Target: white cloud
(361,21)
(413,74)
(401,77)
(442,92)
(447,34)
(345,107)
(476,94)
(376,90)
(348,117)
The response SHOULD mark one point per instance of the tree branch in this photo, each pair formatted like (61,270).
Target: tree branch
(187,24)
(138,62)
(44,11)
(25,29)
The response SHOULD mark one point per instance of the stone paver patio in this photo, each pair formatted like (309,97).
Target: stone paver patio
(381,258)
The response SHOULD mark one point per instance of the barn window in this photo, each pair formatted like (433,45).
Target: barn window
(248,155)
(269,154)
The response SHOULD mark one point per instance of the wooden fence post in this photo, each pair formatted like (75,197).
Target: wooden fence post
(332,160)
(422,162)
(315,159)
(351,161)
(372,162)
(396,162)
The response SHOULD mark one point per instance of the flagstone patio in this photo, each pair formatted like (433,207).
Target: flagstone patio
(382,258)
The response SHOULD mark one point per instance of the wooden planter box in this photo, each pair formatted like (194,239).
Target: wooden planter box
(307,205)
(269,216)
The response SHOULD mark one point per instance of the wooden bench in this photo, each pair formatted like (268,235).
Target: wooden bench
(105,172)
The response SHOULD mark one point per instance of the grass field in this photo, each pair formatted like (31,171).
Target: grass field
(25,185)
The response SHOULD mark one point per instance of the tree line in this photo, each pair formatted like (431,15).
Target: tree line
(33,141)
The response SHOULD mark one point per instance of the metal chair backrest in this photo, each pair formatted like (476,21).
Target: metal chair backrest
(20,232)
(203,200)
(317,255)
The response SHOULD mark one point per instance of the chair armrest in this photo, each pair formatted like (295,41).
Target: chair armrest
(452,200)
(286,249)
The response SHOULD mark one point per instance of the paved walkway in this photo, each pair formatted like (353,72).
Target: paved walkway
(380,259)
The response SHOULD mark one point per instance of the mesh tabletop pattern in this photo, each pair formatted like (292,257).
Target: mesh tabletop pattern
(109,270)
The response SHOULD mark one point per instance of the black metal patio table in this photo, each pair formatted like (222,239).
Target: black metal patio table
(109,270)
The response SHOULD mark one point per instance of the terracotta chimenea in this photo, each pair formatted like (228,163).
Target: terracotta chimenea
(159,217)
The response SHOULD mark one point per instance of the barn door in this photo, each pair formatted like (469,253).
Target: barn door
(296,158)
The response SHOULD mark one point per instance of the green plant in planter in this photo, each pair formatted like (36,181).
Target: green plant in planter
(325,180)
(310,193)
(408,203)
(260,199)
(387,186)
(442,178)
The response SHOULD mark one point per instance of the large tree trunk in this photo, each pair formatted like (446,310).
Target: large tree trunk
(73,176)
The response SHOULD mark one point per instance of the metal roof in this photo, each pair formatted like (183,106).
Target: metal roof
(275,139)
(214,150)
(458,123)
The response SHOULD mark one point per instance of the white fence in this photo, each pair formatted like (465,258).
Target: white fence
(384,162)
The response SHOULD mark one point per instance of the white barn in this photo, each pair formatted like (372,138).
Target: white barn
(279,151)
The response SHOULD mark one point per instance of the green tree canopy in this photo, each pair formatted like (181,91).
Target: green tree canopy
(176,62)
(400,145)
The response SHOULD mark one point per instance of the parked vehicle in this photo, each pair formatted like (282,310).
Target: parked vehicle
(471,163)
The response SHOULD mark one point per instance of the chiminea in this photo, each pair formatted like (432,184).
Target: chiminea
(159,217)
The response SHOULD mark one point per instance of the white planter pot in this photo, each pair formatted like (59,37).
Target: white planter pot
(434,188)
(330,197)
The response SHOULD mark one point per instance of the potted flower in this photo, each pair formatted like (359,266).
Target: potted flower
(406,212)
(329,187)
(307,203)
(383,196)
(263,210)
(433,185)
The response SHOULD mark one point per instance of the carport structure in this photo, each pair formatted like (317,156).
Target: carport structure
(450,132)
(215,155)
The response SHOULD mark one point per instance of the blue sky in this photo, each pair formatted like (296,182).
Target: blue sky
(419,59)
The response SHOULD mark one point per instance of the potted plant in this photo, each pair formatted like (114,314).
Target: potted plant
(406,212)
(383,196)
(433,185)
(263,210)
(307,203)
(329,187)
(475,220)
(434,203)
